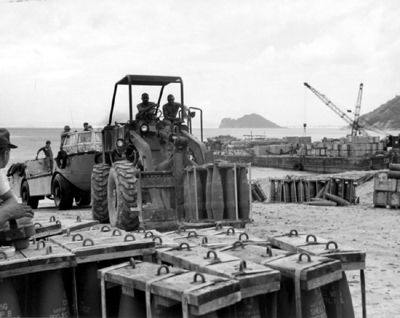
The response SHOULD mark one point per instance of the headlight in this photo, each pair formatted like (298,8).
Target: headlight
(144,128)
(120,143)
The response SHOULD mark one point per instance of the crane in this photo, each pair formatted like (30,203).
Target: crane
(353,123)
(355,126)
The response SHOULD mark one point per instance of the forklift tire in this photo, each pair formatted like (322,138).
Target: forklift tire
(122,196)
(33,202)
(82,198)
(99,182)
(62,192)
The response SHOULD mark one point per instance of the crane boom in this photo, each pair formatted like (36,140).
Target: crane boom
(355,127)
(336,109)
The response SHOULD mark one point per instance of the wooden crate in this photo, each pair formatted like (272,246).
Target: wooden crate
(170,286)
(293,239)
(254,279)
(95,245)
(389,185)
(380,198)
(394,199)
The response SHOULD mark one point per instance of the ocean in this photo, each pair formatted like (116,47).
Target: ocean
(29,140)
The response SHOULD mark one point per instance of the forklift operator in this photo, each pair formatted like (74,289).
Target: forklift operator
(145,107)
(10,209)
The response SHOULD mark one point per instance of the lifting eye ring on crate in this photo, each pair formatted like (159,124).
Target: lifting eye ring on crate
(77,235)
(129,236)
(245,234)
(38,224)
(116,232)
(218,226)
(155,238)
(40,243)
(190,234)
(329,243)
(215,260)
(52,218)
(181,229)
(160,269)
(141,229)
(313,236)
(203,279)
(132,262)
(204,240)
(147,234)
(231,229)
(269,251)
(105,228)
(3,255)
(88,240)
(237,243)
(182,245)
(49,250)
(301,257)
(293,233)
(242,265)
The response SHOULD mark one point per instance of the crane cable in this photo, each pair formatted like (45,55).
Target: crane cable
(305,113)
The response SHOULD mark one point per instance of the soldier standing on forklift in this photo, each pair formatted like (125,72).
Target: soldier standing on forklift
(48,153)
(10,209)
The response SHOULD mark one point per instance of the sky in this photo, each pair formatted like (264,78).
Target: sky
(59,60)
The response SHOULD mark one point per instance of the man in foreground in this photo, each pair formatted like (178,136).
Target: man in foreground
(10,209)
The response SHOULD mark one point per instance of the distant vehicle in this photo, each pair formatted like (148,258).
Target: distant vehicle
(70,179)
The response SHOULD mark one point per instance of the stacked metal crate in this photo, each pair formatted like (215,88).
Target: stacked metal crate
(387,188)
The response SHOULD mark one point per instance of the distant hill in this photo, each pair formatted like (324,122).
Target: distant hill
(387,116)
(248,121)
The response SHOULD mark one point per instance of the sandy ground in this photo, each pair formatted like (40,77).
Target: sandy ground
(373,230)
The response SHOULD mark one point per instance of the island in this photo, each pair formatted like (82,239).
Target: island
(248,121)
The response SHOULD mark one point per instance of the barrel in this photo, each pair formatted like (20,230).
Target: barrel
(186,198)
(160,311)
(394,166)
(217,195)
(338,200)
(334,187)
(52,296)
(330,298)
(208,193)
(272,191)
(280,192)
(248,307)
(9,304)
(293,191)
(286,191)
(312,185)
(312,304)
(192,196)
(393,174)
(300,191)
(243,194)
(199,195)
(88,290)
(230,195)
(132,304)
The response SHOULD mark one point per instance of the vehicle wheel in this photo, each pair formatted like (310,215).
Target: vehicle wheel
(62,192)
(82,198)
(122,195)
(26,198)
(99,182)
